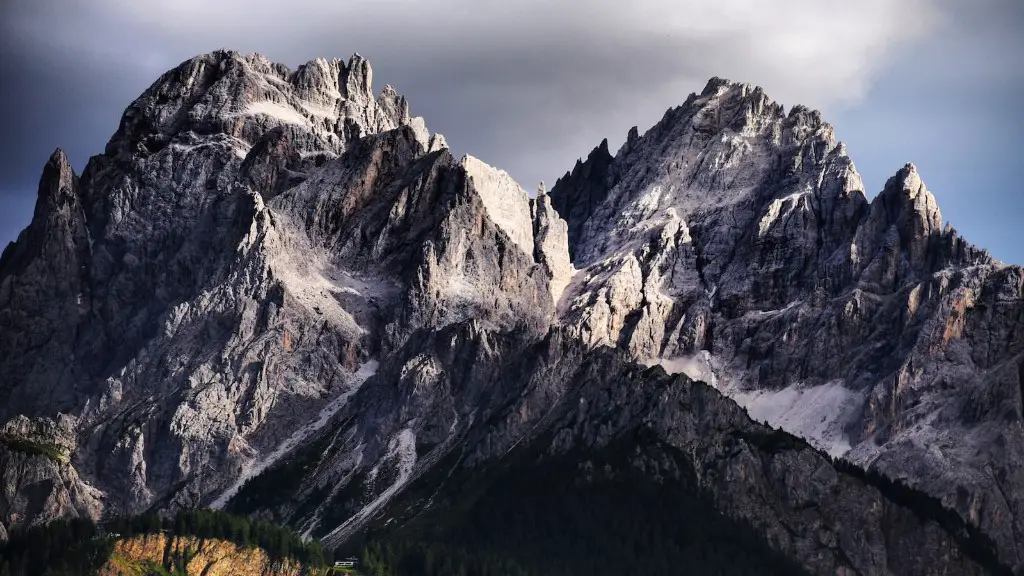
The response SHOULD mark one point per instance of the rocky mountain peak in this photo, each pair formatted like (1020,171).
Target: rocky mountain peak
(358,78)
(235,99)
(318,78)
(506,202)
(631,137)
(905,215)
(725,89)
(43,283)
(736,240)
(716,85)
(57,160)
(58,184)
(58,222)
(721,148)
(731,105)
(907,183)
(582,190)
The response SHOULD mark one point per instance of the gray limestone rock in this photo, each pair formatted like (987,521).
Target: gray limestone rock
(250,242)
(39,483)
(156,298)
(44,294)
(552,242)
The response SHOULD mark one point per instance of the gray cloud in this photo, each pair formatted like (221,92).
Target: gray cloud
(528,86)
(952,106)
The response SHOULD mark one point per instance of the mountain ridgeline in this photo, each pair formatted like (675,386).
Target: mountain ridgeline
(276,293)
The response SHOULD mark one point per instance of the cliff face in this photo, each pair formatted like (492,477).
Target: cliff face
(194,557)
(278,293)
(39,482)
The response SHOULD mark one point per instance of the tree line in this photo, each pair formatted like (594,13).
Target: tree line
(80,546)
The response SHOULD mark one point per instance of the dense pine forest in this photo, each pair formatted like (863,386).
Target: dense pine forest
(573,514)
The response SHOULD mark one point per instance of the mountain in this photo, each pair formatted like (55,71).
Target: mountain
(734,241)
(279,294)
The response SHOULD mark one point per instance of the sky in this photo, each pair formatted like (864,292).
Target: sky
(529,86)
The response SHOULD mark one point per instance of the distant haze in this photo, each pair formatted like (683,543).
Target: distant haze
(529,86)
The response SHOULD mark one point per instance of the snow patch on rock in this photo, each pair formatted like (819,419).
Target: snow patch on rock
(277,111)
(817,414)
(402,453)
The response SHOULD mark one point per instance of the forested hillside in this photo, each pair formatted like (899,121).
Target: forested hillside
(631,509)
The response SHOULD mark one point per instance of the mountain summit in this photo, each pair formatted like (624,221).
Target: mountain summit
(278,294)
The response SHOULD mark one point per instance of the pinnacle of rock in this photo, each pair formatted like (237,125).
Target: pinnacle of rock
(714,84)
(57,181)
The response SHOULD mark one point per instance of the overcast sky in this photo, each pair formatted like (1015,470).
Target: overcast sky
(530,85)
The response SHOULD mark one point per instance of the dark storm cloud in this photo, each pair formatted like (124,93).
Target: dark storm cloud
(54,102)
(528,86)
(53,94)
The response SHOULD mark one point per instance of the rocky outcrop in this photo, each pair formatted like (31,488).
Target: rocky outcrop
(39,484)
(44,288)
(552,246)
(206,557)
(583,189)
(506,202)
(156,299)
(711,204)
(419,223)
